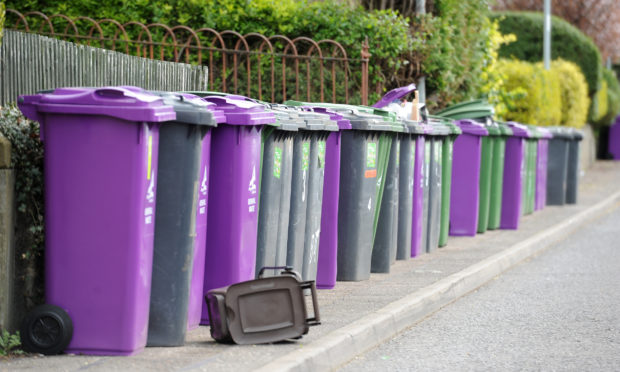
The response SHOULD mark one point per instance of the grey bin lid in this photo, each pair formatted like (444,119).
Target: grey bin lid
(566,133)
(437,128)
(189,110)
(414,127)
(287,120)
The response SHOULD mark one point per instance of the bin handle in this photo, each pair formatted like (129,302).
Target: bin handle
(285,270)
(316,319)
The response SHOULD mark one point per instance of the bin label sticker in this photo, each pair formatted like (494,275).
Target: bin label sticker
(252,189)
(150,191)
(203,183)
(277,162)
(202,206)
(202,201)
(148,215)
(371,155)
(149,158)
(305,156)
(321,145)
(370,173)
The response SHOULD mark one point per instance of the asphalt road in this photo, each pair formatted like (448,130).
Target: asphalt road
(557,311)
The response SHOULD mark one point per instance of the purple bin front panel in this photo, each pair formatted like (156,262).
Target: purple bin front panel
(233,200)
(328,243)
(196,295)
(541,173)
(514,173)
(418,197)
(100,179)
(464,191)
(327,267)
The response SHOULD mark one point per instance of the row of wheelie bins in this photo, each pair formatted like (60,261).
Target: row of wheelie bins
(154,198)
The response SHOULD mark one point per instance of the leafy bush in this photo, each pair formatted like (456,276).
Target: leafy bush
(613,99)
(575,101)
(458,40)
(1,20)
(598,110)
(535,95)
(27,160)
(567,43)
(493,78)
(10,343)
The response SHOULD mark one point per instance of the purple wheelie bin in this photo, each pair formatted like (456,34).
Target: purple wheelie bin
(465,190)
(614,140)
(230,255)
(541,168)
(514,176)
(101,158)
(328,241)
(196,294)
(420,184)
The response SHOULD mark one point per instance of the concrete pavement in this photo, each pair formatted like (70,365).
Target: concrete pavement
(359,315)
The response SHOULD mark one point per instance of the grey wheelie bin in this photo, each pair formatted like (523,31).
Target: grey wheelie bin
(180,145)
(386,234)
(364,158)
(437,133)
(307,191)
(557,165)
(275,190)
(572,176)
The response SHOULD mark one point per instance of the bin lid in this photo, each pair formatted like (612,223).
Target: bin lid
(285,121)
(518,129)
(454,129)
(190,109)
(242,112)
(566,133)
(342,123)
(544,132)
(360,117)
(393,95)
(437,127)
(118,102)
(218,115)
(468,110)
(469,126)
(415,127)
(577,134)
(504,129)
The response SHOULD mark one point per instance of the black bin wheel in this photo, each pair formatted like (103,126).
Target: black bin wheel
(47,329)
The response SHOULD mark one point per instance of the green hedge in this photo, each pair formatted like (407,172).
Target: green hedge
(1,20)
(388,33)
(567,42)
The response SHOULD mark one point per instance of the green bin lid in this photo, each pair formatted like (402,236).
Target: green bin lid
(468,110)
(504,129)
